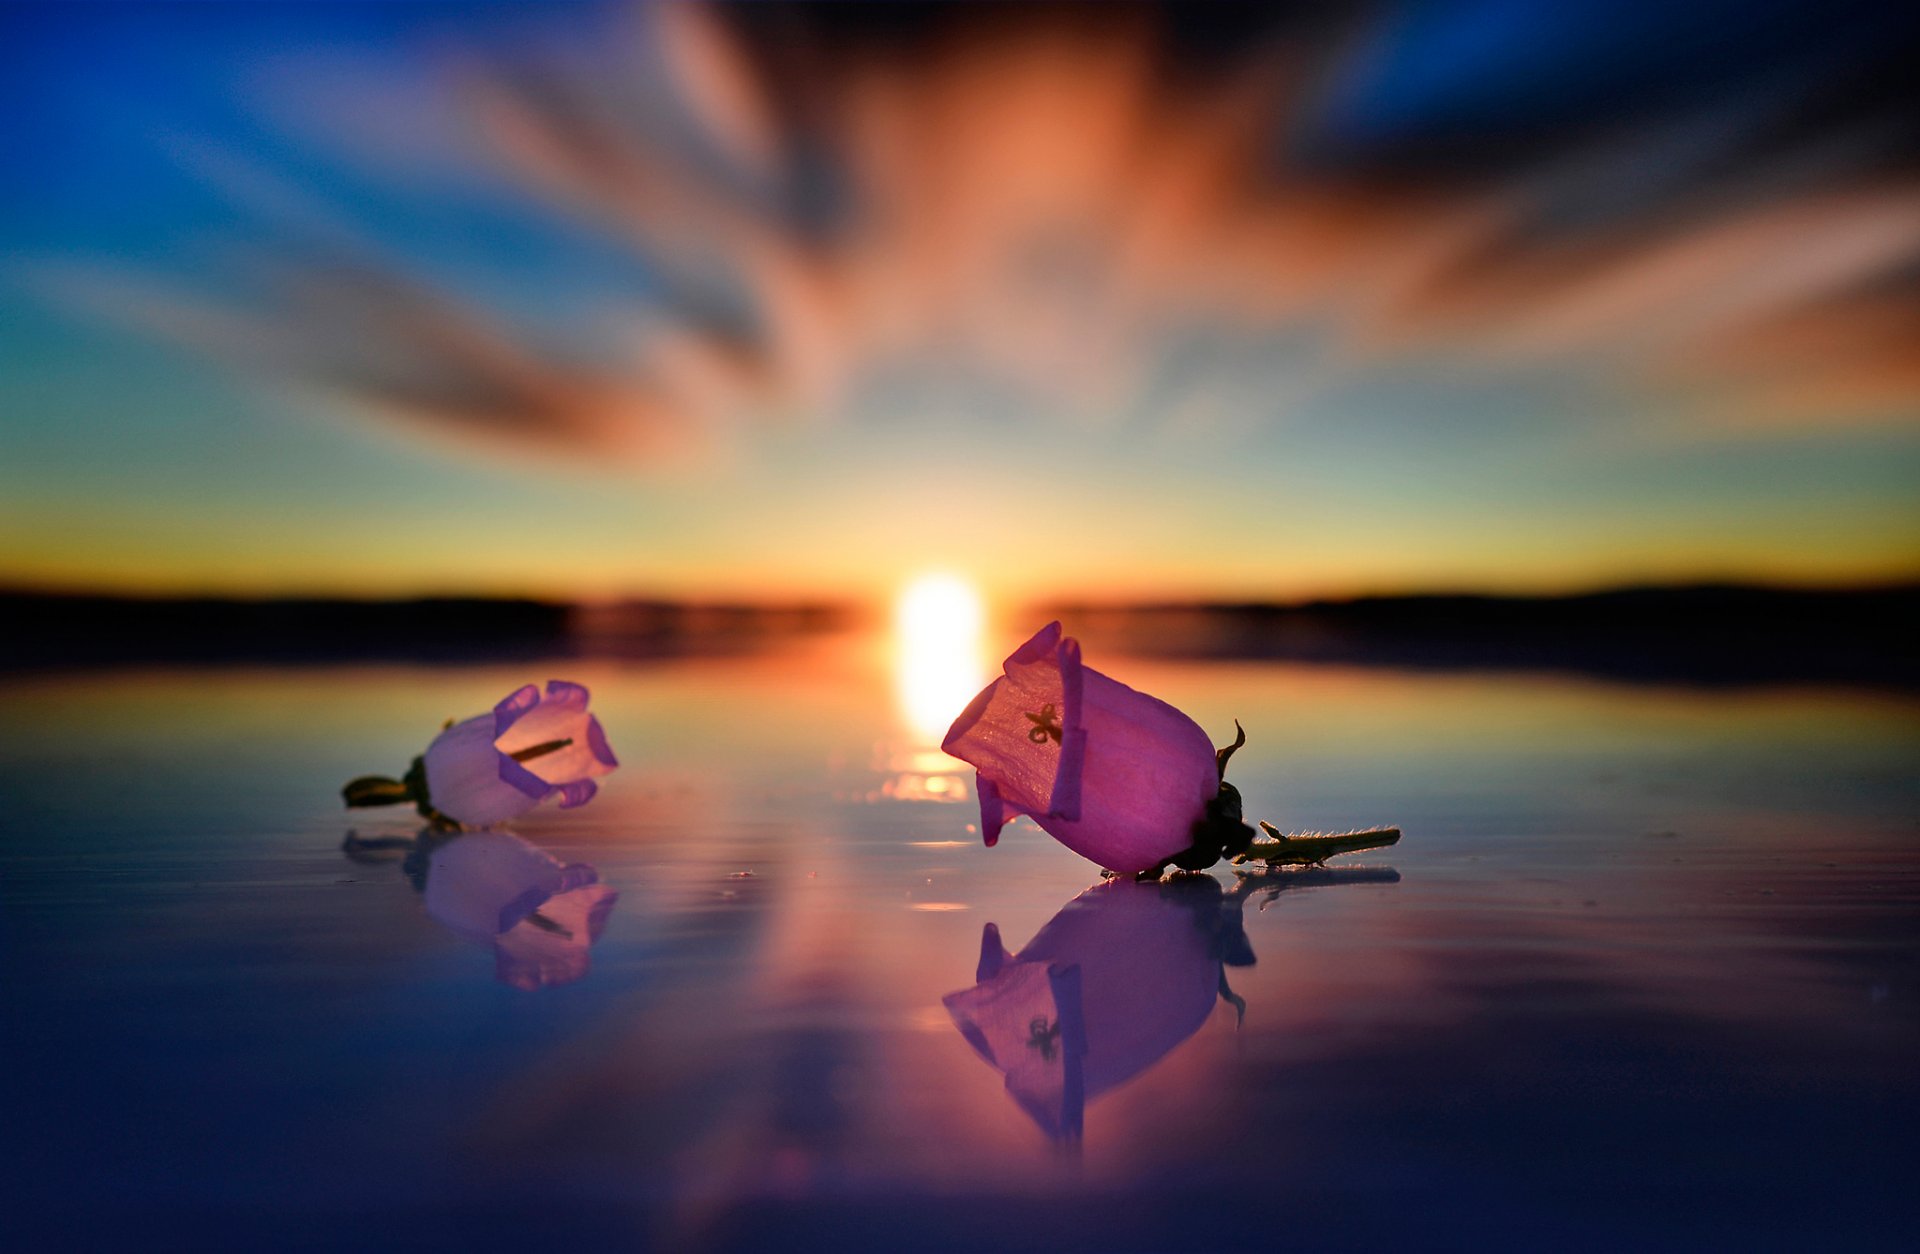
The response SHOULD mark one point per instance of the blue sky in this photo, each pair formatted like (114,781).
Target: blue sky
(588,301)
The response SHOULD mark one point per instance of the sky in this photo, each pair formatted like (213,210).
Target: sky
(1115,302)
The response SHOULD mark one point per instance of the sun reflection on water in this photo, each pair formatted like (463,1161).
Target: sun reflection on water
(939,663)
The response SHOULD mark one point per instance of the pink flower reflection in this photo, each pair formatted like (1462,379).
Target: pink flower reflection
(1122,974)
(540,915)
(1113,774)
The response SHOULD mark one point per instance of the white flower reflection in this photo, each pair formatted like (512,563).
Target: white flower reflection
(1120,976)
(540,915)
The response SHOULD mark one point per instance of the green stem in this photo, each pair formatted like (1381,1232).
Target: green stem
(1313,849)
(382,790)
(376,790)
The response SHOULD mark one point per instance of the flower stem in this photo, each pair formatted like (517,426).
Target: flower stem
(376,790)
(383,790)
(1314,848)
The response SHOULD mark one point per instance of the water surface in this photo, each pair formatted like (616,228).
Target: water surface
(1642,974)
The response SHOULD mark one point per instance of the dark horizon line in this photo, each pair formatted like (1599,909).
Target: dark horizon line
(27,594)
(1702,634)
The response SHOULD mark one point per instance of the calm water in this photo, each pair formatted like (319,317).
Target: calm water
(1645,973)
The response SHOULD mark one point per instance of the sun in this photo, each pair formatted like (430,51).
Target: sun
(937,624)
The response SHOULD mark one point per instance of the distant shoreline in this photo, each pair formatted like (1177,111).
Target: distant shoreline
(1698,634)
(1715,634)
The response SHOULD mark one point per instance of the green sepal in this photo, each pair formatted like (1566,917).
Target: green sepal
(423,799)
(1221,831)
(1221,755)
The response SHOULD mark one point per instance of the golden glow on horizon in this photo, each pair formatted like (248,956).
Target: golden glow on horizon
(938,662)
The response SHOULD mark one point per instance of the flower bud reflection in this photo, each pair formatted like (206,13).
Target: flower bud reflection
(1122,974)
(540,915)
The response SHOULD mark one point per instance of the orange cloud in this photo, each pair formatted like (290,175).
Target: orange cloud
(1053,203)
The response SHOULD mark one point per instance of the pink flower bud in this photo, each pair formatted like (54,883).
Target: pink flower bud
(1113,774)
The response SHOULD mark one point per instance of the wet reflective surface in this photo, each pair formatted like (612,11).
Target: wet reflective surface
(1642,973)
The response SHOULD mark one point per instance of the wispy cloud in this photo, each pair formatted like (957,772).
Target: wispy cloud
(1063,203)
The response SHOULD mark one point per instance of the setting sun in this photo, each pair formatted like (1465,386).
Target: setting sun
(938,664)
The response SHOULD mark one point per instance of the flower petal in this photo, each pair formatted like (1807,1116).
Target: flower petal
(1114,774)
(1038,646)
(519,777)
(1023,733)
(1148,773)
(513,707)
(464,777)
(547,720)
(598,746)
(579,759)
(994,811)
(1068,782)
(561,715)
(566,693)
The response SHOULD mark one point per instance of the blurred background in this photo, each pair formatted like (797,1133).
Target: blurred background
(1508,411)
(784,304)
